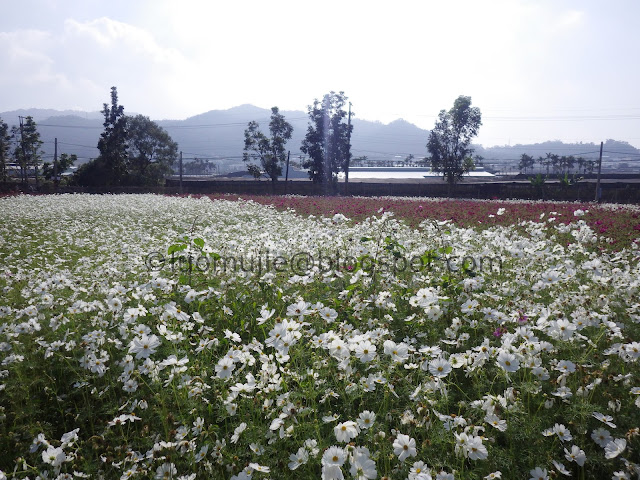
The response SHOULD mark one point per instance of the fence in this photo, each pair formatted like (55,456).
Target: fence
(612,192)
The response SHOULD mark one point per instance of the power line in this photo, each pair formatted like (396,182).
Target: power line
(69,126)
(209,125)
(76,145)
(623,153)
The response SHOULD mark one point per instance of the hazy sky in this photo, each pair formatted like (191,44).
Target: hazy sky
(538,70)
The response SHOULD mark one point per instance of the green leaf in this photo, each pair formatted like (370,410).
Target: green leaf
(176,247)
(199,242)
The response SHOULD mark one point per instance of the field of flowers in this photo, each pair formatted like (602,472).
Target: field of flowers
(144,336)
(619,225)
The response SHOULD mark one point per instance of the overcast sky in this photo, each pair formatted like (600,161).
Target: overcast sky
(538,70)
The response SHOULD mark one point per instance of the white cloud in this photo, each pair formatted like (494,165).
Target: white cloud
(121,38)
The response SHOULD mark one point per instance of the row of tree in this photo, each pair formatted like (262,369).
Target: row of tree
(558,165)
(134,150)
(327,142)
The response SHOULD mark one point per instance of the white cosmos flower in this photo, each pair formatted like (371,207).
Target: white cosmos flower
(165,471)
(225,367)
(202,453)
(265,314)
(339,349)
(54,456)
(237,432)
(300,309)
(606,419)
(362,467)
(419,471)
(620,475)
(399,352)
(562,432)
(114,304)
(404,447)
(508,362)
(346,431)
(366,419)
(329,315)
(144,346)
(130,385)
(334,455)
(299,458)
(496,422)
(566,366)
(539,474)
(563,392)
(575,455)
(259,468)
(469,306)
(365,351)
(615,448)
(439,367)
(190,296)
(601,436)
(476,450)
(561,468)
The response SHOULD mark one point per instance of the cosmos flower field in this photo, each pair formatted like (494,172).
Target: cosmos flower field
(144,336)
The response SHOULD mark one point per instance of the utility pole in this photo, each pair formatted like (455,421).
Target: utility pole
(55,163)
(348,161)
(598,192)
(180,171)
(24,153)
(286,175)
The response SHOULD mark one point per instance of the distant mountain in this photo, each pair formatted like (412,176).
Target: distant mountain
(586,150)
(219,135)
(40,114)
(617,156)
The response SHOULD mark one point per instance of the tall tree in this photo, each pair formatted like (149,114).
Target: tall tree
(450,140)
(113,142)
(526,162)
(5,146)
(64,162)
(269,152)
(28,151)
(152,152)
(327,140)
